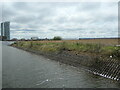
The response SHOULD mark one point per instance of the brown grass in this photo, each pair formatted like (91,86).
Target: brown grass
(94,41)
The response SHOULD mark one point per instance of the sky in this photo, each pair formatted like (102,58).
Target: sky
(65,19)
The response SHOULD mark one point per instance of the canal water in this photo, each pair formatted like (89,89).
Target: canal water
(21,69)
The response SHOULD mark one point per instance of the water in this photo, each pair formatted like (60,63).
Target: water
(22,69)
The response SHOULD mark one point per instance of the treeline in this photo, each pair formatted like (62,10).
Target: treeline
(36,39)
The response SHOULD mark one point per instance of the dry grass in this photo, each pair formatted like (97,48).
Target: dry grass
(92,41)
(101,41)
(103,46)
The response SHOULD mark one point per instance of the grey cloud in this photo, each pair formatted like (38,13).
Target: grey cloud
(87,6)
(111,18)
(68,29)
(92,32)
(39,18)
(24,19)
(28,30)
(20,5)
(8,14)
(14,26)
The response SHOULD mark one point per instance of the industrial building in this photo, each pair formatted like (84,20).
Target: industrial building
(5,30)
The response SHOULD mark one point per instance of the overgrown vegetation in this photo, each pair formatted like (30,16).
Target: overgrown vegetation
(78,47)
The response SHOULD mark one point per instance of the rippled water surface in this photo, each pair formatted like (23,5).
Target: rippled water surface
(22,69)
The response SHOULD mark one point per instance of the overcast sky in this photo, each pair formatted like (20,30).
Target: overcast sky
(67,19)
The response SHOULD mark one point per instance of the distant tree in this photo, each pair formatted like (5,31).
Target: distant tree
(14,39)
(22,39)
(57,38)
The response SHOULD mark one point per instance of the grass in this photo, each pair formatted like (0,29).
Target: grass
(93,48)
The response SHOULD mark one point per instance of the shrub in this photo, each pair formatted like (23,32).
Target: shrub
(57,38)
